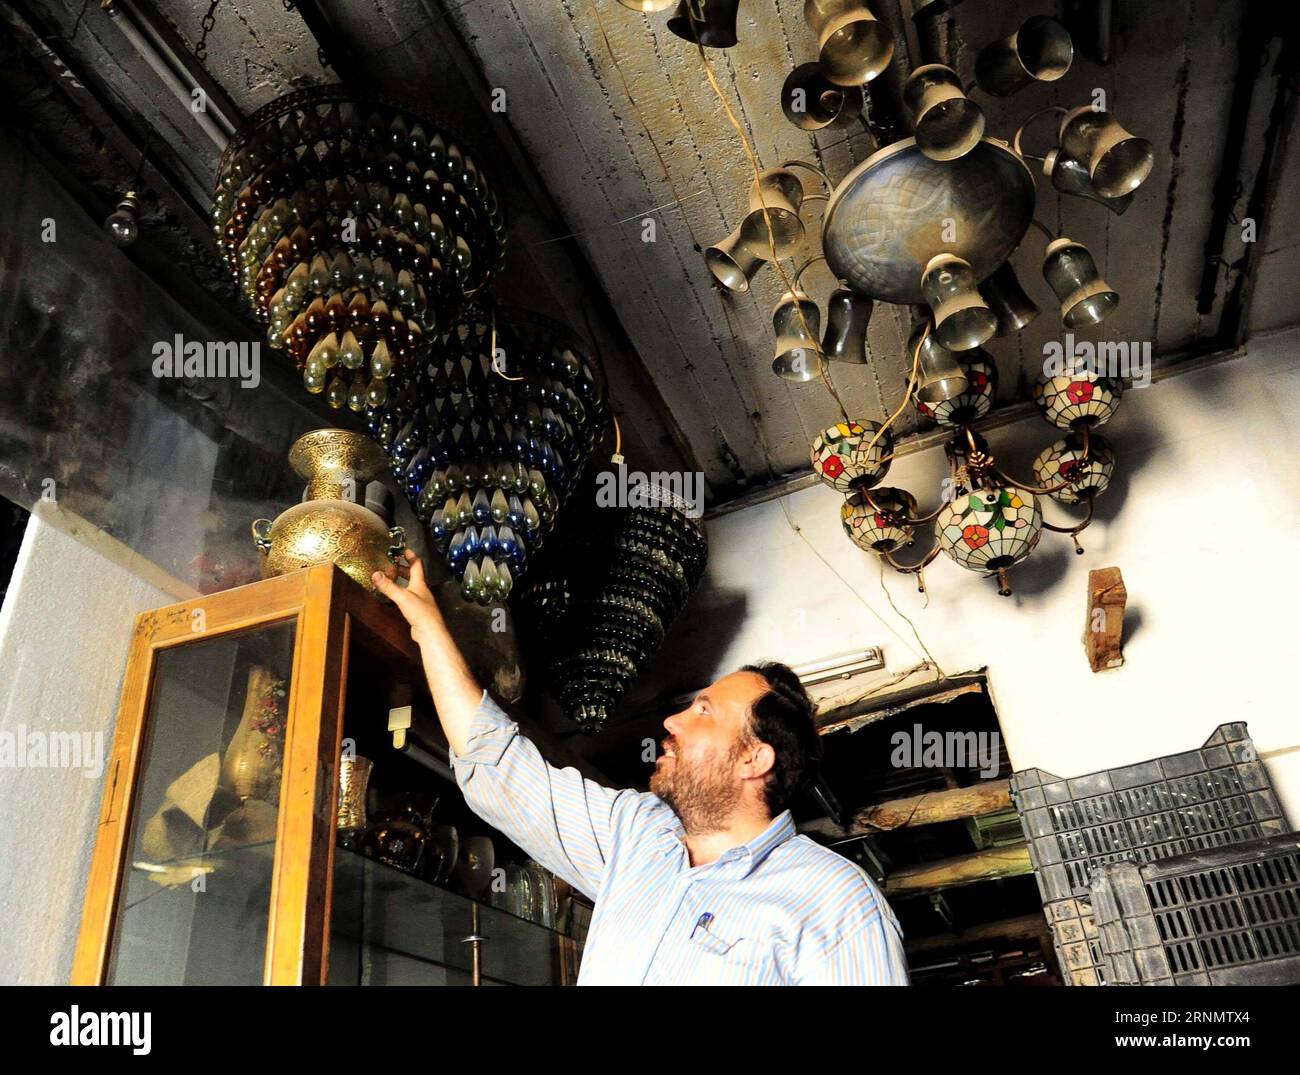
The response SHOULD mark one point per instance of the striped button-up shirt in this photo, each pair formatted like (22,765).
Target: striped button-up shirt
(779,910)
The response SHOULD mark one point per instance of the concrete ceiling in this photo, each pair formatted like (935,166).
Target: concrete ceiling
(609,121)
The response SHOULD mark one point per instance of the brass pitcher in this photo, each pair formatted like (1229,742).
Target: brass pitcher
(853,45)
(710,22)
(947,123)
(811,101)
(775,198)
(1071,272)
(732,263)
(1118,162)
(329,527)
(1039,51)
(962,319)
(848,316)
(797,357)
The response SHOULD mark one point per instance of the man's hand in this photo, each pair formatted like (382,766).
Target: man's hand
(414,601)
(456,693)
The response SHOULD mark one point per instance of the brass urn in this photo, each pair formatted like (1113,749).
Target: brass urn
(330,526)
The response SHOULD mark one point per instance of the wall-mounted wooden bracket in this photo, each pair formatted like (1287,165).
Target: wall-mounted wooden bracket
(1103,630)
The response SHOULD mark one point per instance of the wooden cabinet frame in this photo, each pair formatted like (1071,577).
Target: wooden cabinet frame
(325,605)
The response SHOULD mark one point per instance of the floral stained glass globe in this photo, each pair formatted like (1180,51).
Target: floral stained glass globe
(1072,401)
(844,457)
(982,377)
(990,529)
(1066,461)
(872,529)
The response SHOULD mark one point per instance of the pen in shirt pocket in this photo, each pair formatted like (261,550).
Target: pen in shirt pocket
(704,921)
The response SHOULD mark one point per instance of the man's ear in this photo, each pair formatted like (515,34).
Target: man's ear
(759,759)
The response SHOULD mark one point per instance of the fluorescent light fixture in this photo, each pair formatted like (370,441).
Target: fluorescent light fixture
(840,666)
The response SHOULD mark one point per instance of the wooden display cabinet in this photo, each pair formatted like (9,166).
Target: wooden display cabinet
(215,860)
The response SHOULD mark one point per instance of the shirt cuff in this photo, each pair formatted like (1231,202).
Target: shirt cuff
(490,733)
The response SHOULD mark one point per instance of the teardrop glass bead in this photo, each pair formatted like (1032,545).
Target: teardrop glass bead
(376,392)
(381,360)
(319,277)
(350,353)
(500,507)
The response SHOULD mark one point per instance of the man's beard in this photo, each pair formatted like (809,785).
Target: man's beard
(704,795)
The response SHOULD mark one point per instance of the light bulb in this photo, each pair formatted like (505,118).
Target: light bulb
(123,224)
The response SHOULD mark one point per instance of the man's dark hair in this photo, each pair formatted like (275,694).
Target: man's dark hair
(783,718)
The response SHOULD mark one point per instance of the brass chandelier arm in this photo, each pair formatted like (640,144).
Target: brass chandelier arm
(798,273)
(1036,223)
(914,569)
(812,168)
(1047,489)
(1087,518)
(906,520)
(1015,142)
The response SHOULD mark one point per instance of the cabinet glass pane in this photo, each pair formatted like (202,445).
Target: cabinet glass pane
(196,894)
(390,928)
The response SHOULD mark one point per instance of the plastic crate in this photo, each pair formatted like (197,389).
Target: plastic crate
(1230,916)
(1202,799)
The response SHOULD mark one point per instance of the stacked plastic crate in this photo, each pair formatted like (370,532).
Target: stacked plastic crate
(1230,916)
(1218,795)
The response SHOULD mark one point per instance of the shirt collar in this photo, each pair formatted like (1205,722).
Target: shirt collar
(672,834)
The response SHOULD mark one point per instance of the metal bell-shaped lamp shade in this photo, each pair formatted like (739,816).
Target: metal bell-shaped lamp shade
(1069,176)
(777,195)
(1008,301)
(732,263)
(1118,162)
(847,316)
(710,22)
(812,102)
(940,376)
(947,123)
(797,357)
(1039,51)
(1071,272)
(962,319)
(854,47)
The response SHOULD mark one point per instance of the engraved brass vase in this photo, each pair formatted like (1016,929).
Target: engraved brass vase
(329,526)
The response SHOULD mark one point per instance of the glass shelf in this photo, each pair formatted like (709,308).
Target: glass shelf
(391,928)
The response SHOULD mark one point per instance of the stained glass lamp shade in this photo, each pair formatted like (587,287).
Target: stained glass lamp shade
(1066,460)
(844,457)
(872,529)
(1072,401)
(990,529)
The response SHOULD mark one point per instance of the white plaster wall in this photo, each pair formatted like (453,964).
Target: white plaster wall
(1202,519)
(64,632)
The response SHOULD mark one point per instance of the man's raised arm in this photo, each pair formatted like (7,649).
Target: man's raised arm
(563,820)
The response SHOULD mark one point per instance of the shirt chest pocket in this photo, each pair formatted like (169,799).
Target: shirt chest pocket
(712,958)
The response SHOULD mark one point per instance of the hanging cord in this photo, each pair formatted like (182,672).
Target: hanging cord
(853,590)
(907,397)
(139,165)
(692,13)
(663,164)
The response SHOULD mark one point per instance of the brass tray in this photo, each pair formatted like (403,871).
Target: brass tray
(898,209)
